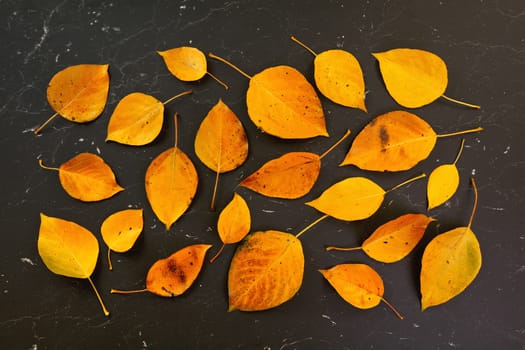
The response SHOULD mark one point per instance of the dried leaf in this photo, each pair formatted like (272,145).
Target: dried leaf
(413,77)
(451,261)
(339,77)
(234,222)
(266,271)
(171,183)
(282,103)
(221,142)
(354,198)
(120,230)
(68,249)
(290,176)
(443,182)
(395,239)
(394,141)
(175,274)
(358,284)
(87,177)
(137,120)
(185,63)
(78,93)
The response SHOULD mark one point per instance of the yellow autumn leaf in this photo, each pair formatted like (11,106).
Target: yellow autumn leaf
(87,177)
(339,77)
(68,249)
(266,271)
(395,239)
(443,182)
(234,222)
(394,141)
(289,176)
(78,93)
(358,284)
(120,230)
(354,198)
(137,120)
(171,183)
(414,77)
(221,142)
(451,261)
(175,274)
(282,103)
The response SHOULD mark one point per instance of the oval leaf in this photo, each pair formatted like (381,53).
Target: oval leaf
(234,220)
(67,248)
(358,284)
(393,141)
(413,77)
(221,142)
(266,271)
(79,93)
(290,176)
(185,63)
(450,263)
(339,77)
(442,184)
(120,230)
(173,275)
(354,198)
(171,183)
(395,239)
(283,103)
(137,120)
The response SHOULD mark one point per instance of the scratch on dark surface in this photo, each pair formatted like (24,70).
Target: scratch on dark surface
(295,342)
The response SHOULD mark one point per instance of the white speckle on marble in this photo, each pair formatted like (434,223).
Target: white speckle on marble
(506,150)
(268,211)
(332,322)
(473,172)
(98,150)
(34,347)
(27,261)
(415,325)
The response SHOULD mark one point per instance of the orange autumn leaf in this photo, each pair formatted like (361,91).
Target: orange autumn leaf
(138,118)
(78,93)
(175,274)
(120,230)
(87,177)
(354,198)
(339,77)
(358,284)
(414,77)
(221,142)
(171,183)
(266,271)
(443,182)
(289,176)
(395,239)
(68,249)
(187,63)
(234,222)
(451,261)
(282,103)
(394,141)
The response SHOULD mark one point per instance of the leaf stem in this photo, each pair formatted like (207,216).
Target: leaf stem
(37,131)
(420,176)
(459,152)
(110,265)
(460,102)
(187,92)
(212,260)
(398,314)
(475,201)
(303,45)
(224,85)
(176,121)
(41,163)
(228,63)
(347,133)
(106,312)
(342,249)
(135,291)
(311,225)
(478,129)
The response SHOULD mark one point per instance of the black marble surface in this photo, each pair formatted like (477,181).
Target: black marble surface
(483,43)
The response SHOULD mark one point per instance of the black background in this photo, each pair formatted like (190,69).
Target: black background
(483,44)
